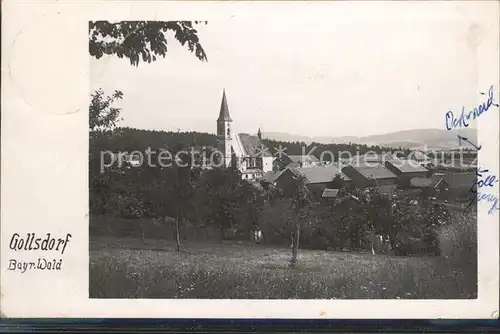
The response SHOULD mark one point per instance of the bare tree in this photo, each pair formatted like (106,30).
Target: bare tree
(301,205)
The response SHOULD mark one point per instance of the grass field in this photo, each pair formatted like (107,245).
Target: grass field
(131,268)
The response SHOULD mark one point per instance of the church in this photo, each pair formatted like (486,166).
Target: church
(247,152)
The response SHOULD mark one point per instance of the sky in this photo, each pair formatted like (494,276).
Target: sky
(351,69)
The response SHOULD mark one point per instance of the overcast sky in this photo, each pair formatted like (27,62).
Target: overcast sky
(339,70)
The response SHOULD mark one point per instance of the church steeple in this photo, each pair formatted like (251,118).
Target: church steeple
(224,133)
(224,110)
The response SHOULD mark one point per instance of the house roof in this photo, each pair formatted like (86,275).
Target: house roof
(418,155)
(252,146)
(303,158)
(421,182)
(224,109)
(372,171)
(319,174)
(330,193)
(271,176)
(456,180)
(373,157)
(406,166)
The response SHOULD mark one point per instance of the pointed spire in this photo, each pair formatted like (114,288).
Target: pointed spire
(224,110)
(259,134)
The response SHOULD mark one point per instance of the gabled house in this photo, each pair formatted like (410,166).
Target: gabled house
(369,175)
(405,170)
(457,181)
(455,186)
(269,178)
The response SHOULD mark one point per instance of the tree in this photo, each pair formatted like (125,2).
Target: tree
(364,213)
(103,116)
(141,40)
(301,204)
(157,186)
(183,186)
(251,201)
(219,194)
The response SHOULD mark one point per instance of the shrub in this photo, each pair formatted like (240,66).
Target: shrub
(458,244)
(458,241)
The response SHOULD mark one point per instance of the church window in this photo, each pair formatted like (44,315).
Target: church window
(228,131)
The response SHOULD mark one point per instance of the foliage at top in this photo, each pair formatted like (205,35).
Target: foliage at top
(102,114)
(141,40)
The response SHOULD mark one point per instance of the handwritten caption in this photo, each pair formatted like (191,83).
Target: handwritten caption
(463,120)
(485,180)
(31,242)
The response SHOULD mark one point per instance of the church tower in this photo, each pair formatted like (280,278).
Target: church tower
(224,131)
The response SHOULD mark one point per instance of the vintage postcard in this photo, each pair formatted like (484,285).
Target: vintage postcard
(250,159)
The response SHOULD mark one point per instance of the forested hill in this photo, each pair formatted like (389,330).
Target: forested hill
(130,139)
(316,149)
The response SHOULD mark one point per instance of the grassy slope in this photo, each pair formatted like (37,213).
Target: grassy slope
(127,268)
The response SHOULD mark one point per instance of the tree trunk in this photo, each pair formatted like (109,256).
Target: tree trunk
(177,232)
(373,243)
(373,239)
(142,232)
(295,244)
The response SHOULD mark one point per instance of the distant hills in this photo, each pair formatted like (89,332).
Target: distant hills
(432,139)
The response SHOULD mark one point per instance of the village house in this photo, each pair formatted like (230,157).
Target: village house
(297,161)
(269,179)
(456,187)
(370,175)
(316,179)
(405,170)
(247,152)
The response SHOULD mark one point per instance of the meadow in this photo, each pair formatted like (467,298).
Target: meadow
(151,268)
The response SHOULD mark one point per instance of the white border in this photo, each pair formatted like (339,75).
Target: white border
(44,158)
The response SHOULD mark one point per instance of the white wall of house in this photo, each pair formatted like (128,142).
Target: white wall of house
(267,164)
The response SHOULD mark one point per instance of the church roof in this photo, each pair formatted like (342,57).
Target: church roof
(252,146)
(224,109)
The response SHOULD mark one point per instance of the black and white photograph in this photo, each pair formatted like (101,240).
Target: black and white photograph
(282,159)
(251,155)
